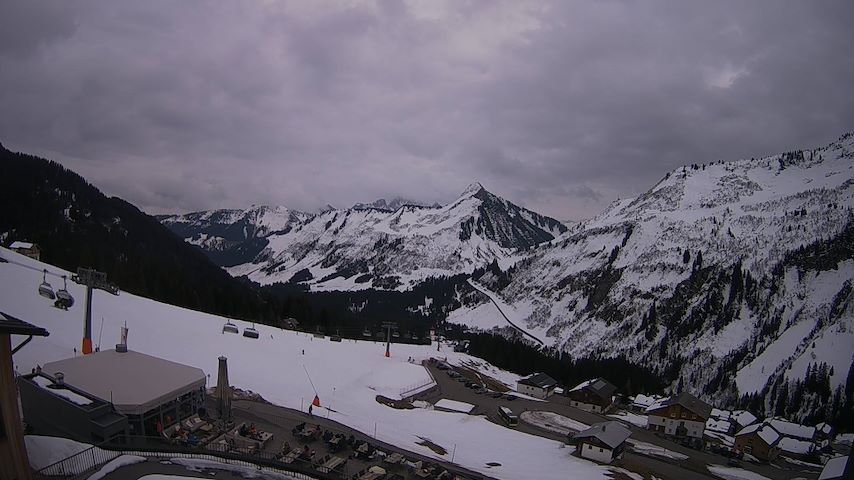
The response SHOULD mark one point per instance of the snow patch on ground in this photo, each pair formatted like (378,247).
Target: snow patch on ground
(44,451)
(732,473)
(655,450)
(633,418)
(553,422)
(115,464)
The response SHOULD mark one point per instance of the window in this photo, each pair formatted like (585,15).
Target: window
(589,447)
(601,451)
(672,414)
(684,415)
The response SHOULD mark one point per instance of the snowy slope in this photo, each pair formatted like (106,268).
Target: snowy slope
(348,375)
(706,271)
(367,247)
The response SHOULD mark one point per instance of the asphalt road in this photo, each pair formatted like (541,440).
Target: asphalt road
(692,468)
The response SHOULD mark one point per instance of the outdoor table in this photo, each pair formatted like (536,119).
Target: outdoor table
(331,464)
(292,455)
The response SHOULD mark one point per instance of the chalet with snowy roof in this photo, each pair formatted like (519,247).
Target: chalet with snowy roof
(760,440)
(31,250)
(743,418)
(683,416)
(793,430)
(640,402)
(602,442)
(794,448)
(728,422)
(538,385)
(595,395)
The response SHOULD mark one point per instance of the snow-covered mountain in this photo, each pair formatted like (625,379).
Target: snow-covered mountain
(733,275)
(393,204)
(366,246)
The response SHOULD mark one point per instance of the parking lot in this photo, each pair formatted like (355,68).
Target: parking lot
(487,402)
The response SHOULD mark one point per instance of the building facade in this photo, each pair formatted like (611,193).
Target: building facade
(759,440)
(538,385)
(602,442)
(594,395)
(682,416)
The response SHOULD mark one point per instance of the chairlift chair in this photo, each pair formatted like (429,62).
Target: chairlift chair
(64,298)
(250,332)
(45,289)
(230,328)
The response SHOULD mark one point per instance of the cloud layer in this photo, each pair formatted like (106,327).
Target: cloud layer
(560,106)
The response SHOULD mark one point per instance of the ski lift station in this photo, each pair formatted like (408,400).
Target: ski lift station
(104,394)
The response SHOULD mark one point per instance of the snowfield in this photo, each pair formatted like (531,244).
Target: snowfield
(348,375)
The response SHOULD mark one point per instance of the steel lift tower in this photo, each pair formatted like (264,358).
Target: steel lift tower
(389,326)
(91,279)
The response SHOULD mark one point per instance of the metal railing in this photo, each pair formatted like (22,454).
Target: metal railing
(84,463)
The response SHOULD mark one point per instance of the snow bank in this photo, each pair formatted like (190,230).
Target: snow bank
(732,473)
(115,464)
(43,451)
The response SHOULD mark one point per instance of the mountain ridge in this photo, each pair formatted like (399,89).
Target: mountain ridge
(367,247)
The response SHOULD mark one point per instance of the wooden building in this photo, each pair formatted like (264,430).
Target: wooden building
(602,442)
(14,463)
(594,395)
(682,416)
(760,440)
(538,385)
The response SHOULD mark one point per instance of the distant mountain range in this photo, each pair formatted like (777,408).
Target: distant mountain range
(733,278)
(383,245)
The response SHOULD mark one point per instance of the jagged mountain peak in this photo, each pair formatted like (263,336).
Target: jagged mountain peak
(472,189)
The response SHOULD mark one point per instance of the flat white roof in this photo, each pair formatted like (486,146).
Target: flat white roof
(21,245)
(133,381)
(454,405)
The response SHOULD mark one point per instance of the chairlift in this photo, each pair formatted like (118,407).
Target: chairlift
(63,298)
(250,332)
(45,289)
(230,328)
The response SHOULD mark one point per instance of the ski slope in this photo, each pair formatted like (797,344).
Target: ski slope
(348,375)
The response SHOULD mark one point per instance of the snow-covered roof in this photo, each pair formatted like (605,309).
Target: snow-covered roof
(73,397)
(540,380)
(686,400)
(609,433)
(454,405)
(793,445)
(824,428)
(21,245)
(135,382)
(790,429)
(743,418)
(722,414)
(834,468)
(766,432)
(599,386)
(718,425)
(644,401)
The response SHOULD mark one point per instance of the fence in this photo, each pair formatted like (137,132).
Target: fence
(86,462)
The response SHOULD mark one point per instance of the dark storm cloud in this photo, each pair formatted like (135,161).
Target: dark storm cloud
(560,106)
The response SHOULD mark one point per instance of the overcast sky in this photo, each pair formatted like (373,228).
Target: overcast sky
(558,106)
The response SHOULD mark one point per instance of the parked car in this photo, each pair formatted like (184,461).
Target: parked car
(496,395)
(453,374)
